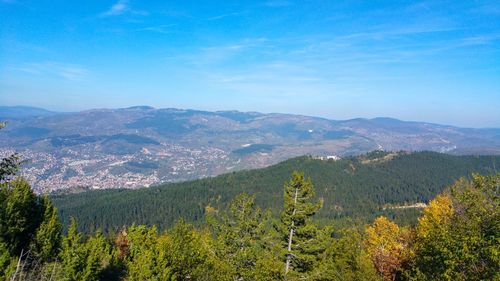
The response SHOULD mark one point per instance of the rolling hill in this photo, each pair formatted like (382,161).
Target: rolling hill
(353,188)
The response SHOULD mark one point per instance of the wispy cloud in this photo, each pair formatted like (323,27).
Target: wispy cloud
(163,29)
(70,72)
(118,8)
(387,31)
(224,16)
(480,40)
(122,7)
(216,54)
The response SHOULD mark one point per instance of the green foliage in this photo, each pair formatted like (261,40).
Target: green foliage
(83,260)
(182,253)
(21,212)
(30,231)
(345,258)
(98,254)
(239,234)
(142,257)
(7,263)
(354,193)
(187,255)
(72,253)
(458,236)
(299,236)
(269,266)
(47,241)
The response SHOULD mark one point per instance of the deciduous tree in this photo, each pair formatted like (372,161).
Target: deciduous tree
(457,238)
(387,245)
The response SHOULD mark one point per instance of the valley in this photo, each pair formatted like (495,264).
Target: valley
(143,146)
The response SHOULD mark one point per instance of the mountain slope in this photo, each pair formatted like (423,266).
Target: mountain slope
(21,112)
(143,146)
(356,187)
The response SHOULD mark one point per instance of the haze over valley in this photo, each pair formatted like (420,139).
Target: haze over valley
(143,146)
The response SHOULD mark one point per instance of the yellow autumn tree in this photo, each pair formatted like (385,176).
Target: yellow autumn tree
(386,243)
(436,216)
(457,236)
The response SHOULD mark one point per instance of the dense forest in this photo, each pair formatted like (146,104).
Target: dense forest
(455,238)
(353,190)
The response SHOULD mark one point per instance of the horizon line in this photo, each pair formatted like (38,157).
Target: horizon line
(248,112)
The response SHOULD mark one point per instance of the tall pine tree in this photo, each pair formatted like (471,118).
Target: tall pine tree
(239,232)
(298,233)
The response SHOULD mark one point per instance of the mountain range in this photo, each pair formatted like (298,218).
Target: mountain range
(143,146)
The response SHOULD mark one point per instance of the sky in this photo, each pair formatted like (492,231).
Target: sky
(433,61)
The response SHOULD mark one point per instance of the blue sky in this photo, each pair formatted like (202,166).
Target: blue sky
(436,61)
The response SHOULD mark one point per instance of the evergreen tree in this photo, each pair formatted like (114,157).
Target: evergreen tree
(238,234)
(21,213)
(141,253)
(97,255)
(72,254)
(47,241)
(185,254)
(83,261)
(298,233)
(7,263)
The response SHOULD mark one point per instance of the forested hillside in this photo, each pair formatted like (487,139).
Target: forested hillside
(354,189)
(455,238)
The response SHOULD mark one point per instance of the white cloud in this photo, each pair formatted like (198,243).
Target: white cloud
(122,7)
(218,17)
(71,72)
(163,29)
(118,8)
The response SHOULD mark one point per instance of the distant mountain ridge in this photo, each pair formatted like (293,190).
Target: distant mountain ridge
(18,112)
(21,111)
(142,145)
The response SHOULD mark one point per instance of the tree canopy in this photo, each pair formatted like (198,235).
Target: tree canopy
(455,238)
